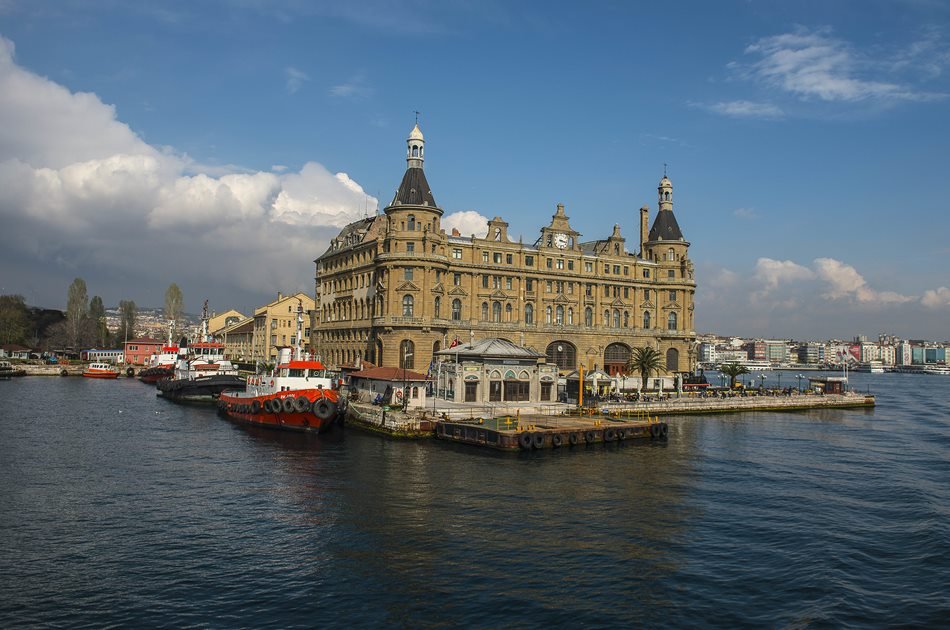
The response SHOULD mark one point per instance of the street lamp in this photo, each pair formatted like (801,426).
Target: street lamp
(800,377)
(405,381)
(763,377)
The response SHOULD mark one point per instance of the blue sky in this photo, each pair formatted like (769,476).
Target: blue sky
(219,145)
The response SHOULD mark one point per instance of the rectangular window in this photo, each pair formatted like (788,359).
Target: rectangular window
(508,283)
(456,253)
(306,332)
(646,273)
(606,291)
(570,287)
(616,270)
(589,267)
(410,247)
(646,294)
(529,285)
(670,274)
(606,268)
(407,273)
(484,257)
(626,270)
(550,264)
(496,282)
(589,291)
(560,286)
(529,261)
(497,258)
(438,275)
(273,340)
(509,259)
(484,281)
(456,279)
(672,296)
(273,324)
(560,264)
(547,286)
(626,292)
(570,265)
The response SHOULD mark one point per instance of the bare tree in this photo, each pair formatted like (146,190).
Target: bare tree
(77,311)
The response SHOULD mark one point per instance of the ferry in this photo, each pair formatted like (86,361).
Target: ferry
(100,370)
(871,367)
(937,369)
(298,394)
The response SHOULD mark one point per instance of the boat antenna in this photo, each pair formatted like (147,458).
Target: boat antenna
(298,352)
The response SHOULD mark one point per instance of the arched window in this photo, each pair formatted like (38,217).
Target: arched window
(406,352)
(570,316)
(666,196)
(456,309)
(496,311)
(437,306)
(671,321)
(646,319)
(529,313)
(563,354)
(415,152)
(606,317)
(436,346)
(559,315)
(412,223)
(588,317)
(616,318)
(407,306)
(672,360)
(547,314)
(507,312)
(670,254)
(484,311)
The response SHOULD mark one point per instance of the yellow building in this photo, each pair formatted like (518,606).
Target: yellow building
(275,326)
(238,340)
(395,288)
(219,321)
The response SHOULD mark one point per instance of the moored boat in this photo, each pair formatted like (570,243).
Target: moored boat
(161,364)
(202,371)
(100,370)
(299,394)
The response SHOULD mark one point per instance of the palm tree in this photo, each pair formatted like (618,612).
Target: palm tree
(733,371)
(646,361)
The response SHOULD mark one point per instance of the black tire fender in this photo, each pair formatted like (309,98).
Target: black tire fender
(301,404)
(323,409)
(524,440)
(537,440)
(557,440)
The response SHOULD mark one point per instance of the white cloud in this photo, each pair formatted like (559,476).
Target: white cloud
(467,222)
(81,194)
(811,64)
(770,273)
(746,109)
(295,79)
(354,88)
(842,281)
(936,298)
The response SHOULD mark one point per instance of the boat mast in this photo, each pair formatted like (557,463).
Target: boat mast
(298,350)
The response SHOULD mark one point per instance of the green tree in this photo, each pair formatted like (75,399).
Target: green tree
(733,371)
(127,314)
(14,319)
(97,315)
(174,304)
(77,312)
(646,361)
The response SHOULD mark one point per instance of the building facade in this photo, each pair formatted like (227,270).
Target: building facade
(275,326)
(396,288)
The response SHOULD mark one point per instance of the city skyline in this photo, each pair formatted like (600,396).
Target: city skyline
(221,146)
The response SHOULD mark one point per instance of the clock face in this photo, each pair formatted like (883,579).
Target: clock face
(560,241)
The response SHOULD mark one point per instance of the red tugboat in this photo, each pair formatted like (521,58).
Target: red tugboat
(299,394)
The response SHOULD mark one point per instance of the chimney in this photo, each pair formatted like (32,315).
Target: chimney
(280,296)
(644,229)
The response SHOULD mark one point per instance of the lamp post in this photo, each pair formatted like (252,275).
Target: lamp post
(762,376)
(405,381)
(800,377)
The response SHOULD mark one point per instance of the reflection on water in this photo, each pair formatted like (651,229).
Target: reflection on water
(121,508)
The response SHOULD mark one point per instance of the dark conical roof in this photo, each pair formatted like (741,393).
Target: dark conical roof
(665,227)
(414,189)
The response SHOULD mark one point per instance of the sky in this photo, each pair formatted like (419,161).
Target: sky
(219,145)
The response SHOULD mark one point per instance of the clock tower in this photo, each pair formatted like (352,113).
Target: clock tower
(559,234)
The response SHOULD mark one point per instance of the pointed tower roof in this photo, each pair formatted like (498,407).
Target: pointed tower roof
(414,189)
(665,227)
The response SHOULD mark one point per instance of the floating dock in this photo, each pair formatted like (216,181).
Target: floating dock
(510,434)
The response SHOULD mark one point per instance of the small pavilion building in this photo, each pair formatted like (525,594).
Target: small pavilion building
(494,370)
(392,386)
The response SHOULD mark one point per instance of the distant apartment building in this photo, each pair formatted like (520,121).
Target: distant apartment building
(275,325)
(708,353)
(138,350)
(811,353)
(903,354)
(888,355)
(869,352)
(776,351)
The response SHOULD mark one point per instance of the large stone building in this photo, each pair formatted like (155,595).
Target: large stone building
(395,288)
